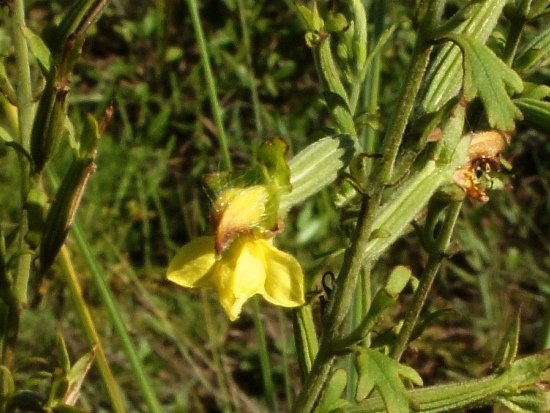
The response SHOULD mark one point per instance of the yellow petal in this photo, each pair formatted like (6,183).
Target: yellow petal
(240,274)
(192,262)
(284,282)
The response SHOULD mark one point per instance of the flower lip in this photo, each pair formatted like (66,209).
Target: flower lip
(245,268)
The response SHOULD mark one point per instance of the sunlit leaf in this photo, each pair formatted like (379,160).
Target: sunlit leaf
(486,76)
(38,49)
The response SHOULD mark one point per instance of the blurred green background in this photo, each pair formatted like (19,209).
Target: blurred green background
(147,199)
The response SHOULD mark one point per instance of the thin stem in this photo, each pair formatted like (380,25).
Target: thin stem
(251,74)
(23,87)
(286,360)
(370,143)
(210,83)
(398,122)
(305,338)
(269,388)
(426,281)
(117,321)
(25,115)
(111,385)
(216,353)
(512,41)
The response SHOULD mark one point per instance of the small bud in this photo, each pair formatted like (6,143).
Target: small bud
(49,122)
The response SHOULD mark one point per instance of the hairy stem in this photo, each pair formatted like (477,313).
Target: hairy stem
(426,281)
(25,116)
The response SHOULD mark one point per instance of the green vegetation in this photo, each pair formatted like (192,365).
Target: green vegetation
(411,184)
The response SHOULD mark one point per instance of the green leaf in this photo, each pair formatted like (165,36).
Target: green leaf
(7,385)
(444,77)
(331,398)
(536,112)
(317,166)
(486,76)
(397,280)
(5,135)
(534,53)
(508,348)
(76,377)
(525,377)
(39,50)
(379,371)
(535,91)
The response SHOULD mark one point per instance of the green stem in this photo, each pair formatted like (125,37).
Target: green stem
(251,74)
(269,388)
(426,281)
(24,88)
(286,359)
(117,321)
(371,143)
(398,122)
(512,41)
(111,385)
(215,345)
(210,83)
(305,338)
(355,257)
(25,116)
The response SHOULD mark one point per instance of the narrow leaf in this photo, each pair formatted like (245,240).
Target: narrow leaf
(332,397)
(534,53)
(536,112)
(317,166)
(38,49)
(383,373)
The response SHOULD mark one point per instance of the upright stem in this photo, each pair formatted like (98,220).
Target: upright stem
(372,84)
(421,293)
(24,91)
(251,74)
(25,117)
(118,323)
(111,385)
(210,83)
(269,388)
(355,256)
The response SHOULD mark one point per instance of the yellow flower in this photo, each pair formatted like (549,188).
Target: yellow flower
(247,267)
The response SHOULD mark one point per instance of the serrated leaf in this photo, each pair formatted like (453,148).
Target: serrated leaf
(486,76)
(444,76)
(536,112)
(38,49)
(535,91)
(378,371)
